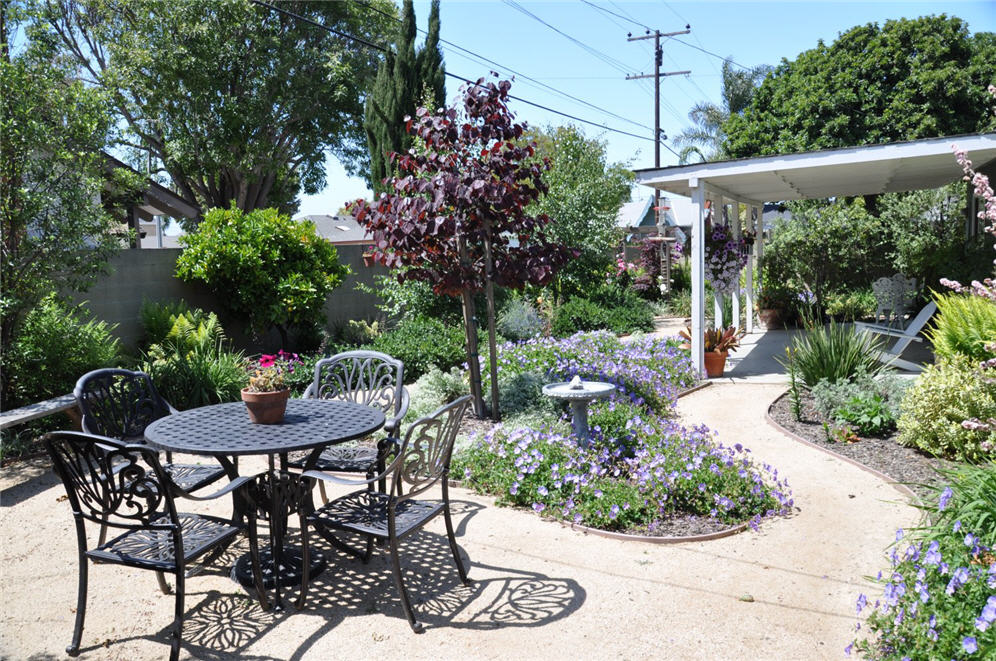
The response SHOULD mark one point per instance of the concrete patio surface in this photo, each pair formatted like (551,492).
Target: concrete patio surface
(542,591)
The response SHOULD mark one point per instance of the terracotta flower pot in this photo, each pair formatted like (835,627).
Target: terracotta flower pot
(266,408)
(715,363)
(771,318)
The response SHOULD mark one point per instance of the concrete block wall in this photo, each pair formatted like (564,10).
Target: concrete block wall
(147,275)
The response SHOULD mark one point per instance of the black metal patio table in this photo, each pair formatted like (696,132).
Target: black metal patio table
(223,431)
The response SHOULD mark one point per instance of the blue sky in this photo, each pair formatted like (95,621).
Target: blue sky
(751,33)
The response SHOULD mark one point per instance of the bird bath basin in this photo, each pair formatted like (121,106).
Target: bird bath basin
(578,394)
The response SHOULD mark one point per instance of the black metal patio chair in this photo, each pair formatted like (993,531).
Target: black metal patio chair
(365,377)
(119,403)
(123,486)
(423,459)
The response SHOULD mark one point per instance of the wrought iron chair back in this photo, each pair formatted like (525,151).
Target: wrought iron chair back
(113,483)
(118,403)
(425,455)
(370,378)
(123,485)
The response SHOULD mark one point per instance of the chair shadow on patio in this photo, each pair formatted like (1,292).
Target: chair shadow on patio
(223,626)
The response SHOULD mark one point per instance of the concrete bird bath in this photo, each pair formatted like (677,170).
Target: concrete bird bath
(579,393)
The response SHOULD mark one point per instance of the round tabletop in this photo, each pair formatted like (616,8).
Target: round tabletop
(224,429)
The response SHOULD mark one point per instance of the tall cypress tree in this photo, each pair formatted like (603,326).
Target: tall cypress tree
(432,75)
(402,79)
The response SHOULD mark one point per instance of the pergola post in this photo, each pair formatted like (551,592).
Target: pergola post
(734,222)
(698,273)
(749,272)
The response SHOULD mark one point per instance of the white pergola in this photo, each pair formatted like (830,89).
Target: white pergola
(852,171)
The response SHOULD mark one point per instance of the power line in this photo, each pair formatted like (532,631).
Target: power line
(517,73)
(709,52)
(451,75)
(608,59)
(625,18)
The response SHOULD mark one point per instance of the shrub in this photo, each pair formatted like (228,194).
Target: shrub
(191,365)
(522,392)
(435,388)
(420,342)
(265,267)
(870,416)
(608,308)
(358,332)
(870,404)
(519,320)
(836,353)
(962,326)
(850,304)
(55,345)
(158,318)
(969,498)
(679,303)
(934,408)
(939,599)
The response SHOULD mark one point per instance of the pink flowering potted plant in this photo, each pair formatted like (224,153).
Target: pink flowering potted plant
(267,393)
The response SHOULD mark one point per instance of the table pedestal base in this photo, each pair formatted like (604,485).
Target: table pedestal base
(290,568)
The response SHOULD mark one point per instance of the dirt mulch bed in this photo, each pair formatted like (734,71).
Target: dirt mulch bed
(908,466)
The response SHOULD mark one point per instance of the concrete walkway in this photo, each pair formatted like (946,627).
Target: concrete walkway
(543,591)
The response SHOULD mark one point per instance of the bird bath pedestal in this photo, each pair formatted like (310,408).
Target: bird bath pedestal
(578,393)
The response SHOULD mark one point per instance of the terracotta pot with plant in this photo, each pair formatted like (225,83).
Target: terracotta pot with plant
(267,393)
(717,343)
(772,305)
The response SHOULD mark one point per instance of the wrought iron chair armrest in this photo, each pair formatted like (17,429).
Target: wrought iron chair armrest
(325,477)
(393,424)
(235,484)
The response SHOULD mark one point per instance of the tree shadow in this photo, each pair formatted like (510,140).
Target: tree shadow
(29,478)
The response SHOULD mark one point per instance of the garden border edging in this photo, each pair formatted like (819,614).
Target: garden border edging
(898,486)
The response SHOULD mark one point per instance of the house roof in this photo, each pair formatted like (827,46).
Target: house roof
(849,171)
(157,200)
(632,214)
(338,229)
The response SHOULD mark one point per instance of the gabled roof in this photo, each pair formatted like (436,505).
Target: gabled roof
(850,171)
(632,214)
(338,229)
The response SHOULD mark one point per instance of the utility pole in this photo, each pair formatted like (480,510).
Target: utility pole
(657,75)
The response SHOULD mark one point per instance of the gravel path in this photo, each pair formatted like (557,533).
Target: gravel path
(542,591)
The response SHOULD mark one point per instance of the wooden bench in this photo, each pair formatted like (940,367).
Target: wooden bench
(37,410)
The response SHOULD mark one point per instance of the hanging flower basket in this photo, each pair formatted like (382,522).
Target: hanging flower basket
(725,257)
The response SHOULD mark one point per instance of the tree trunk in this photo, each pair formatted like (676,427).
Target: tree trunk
(489,289)
(473,360)
(470,330)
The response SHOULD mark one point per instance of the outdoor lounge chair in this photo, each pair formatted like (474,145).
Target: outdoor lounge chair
(422,460)
(365,377)
(904,336)
(125,487)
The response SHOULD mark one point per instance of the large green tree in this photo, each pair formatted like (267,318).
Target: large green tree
(907,79)
(406,79)
(583,197)
(706,137)
(57,234)
(230,100)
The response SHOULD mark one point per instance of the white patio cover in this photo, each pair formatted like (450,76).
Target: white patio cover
(850,171)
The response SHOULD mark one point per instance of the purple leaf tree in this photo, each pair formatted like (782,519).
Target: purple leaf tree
(455,214)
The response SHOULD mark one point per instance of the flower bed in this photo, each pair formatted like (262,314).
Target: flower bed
(642,467)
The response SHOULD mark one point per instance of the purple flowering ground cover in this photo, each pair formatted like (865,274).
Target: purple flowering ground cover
(642,468)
